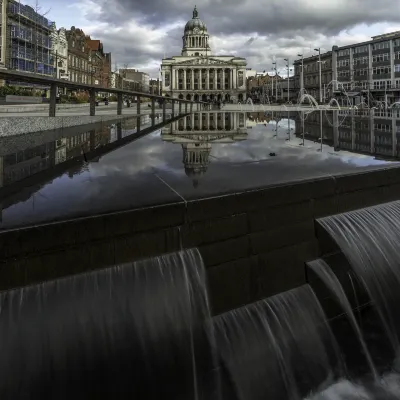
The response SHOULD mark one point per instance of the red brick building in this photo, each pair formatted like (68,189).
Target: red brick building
(99,63)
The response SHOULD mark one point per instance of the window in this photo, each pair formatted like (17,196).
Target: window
(361,72)
(361,49)
(397,68)
(360,60)
(396,43)
(381,45)
(343,63)
(345,52)
(381,57)
(381,70)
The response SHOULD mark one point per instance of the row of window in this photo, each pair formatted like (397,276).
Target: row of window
(29,66)
(364,48)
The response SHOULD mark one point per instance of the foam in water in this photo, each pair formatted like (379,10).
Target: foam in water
(278,348)
(131,331)
(370,239)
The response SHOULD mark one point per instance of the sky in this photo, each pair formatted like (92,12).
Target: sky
(140,33)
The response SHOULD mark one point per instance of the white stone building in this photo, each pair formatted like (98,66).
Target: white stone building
(197,74)
(59,52)
(197,132)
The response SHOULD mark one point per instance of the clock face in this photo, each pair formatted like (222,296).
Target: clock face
(196,30)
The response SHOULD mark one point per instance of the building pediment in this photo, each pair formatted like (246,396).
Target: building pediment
(204,61)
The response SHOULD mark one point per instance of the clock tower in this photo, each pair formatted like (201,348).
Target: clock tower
(195,37)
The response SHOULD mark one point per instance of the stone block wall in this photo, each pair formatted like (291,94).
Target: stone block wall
(254,244)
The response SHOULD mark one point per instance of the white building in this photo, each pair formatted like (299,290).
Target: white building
(59,50)
(197,74)
(197,132)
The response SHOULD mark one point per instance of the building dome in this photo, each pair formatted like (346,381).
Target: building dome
(195,22)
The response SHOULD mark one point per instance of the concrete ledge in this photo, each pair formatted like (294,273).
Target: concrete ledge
(12,126)
(40,107)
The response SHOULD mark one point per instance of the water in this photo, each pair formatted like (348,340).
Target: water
(264,347)
(370,238)
(132,331)
(321,268)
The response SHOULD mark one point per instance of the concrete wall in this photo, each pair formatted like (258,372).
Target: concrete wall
(12,126)
(254,244)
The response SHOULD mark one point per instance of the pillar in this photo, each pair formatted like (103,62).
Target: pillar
(208,79)
(186,107)
(184,79)
(53,100)
(180,107)
(223,79)
(138,105)
(92,102)
(215,79)
(153,110)
(200,78)
(119,103)
(172,108)
(192,80)
(164,110)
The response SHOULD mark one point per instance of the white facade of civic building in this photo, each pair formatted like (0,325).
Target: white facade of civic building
(197,74)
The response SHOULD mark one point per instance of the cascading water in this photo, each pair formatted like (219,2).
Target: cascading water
(265,346)
(324,272)
(132,331)
(370,239)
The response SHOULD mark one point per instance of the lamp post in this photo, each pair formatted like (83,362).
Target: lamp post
(288,86)
(320,74)
(302,73)
(276,82)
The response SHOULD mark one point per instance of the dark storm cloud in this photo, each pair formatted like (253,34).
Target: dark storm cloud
(262,16)
(259,30)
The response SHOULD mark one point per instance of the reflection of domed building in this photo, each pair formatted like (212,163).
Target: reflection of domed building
(197,133)
(198,75)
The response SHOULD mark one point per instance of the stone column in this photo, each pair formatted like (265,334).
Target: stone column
(200,78)
(223,79)
(192,78)
(200,121)
(215,79)
(235,78)
(208,121)
(208,79)
(119,104)
(184,79)
(53,100)
(223,121)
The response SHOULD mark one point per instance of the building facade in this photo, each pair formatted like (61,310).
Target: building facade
(28,40)
(59,52)
(197,132)
(133,78)
(369,69)
(99,63)
(78,56)
(197,74)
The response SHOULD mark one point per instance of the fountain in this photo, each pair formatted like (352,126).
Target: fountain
(144,330)
(310,98)
(370,238)
(250,101)
(264,347)
(109,334)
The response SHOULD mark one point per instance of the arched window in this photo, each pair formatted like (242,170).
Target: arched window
(196,54)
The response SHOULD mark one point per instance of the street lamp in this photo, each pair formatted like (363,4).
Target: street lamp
(276,82)
(320,74)
(302,74)
(288,87)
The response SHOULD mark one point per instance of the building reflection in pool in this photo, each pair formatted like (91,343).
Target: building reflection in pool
(196,133)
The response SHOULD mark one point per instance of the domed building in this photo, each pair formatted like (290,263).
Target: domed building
(197,74)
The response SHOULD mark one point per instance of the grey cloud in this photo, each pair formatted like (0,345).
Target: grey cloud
(290,26)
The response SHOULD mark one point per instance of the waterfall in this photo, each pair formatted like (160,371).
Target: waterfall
(265,346)
(132,331)
(323,271)
(370,239)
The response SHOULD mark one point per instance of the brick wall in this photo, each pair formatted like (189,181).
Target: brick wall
(254,244)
